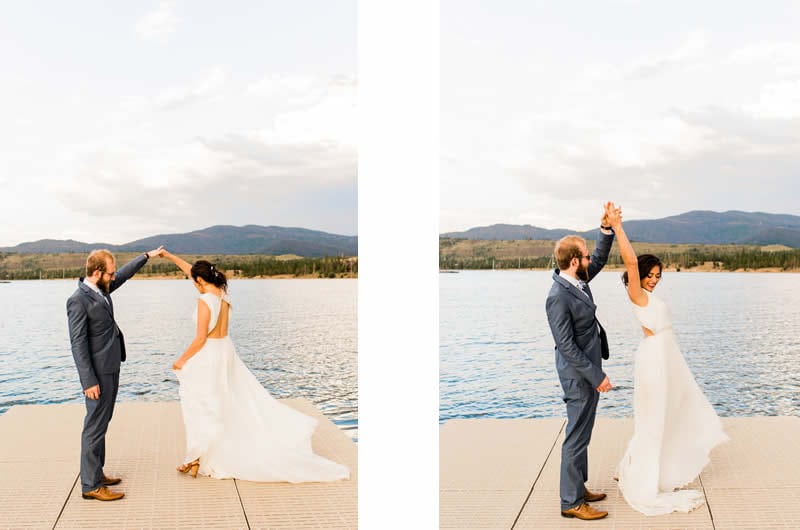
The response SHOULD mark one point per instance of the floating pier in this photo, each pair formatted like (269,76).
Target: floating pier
(40,484)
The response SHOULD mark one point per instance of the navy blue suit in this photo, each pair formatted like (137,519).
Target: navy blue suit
(580,348)
(98,348)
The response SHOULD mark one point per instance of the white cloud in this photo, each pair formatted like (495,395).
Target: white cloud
(305,152)
(207,182)
(322,107)
(294,89)
(658,120)
(782,57)
(625,149)
(778,100)
(746,128)
(172,137)
(158,24)
(207,87)
(331,119)
(689,50)
(709,159)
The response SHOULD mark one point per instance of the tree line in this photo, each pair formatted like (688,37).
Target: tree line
(747,259)
(235,267)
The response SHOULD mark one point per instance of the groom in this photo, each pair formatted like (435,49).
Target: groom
(580,347)
(98,348)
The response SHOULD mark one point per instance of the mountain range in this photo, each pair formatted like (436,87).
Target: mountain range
(221,239)
(700,227)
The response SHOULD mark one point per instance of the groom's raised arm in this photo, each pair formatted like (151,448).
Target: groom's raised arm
(601,251)
(558,316)
(125,272)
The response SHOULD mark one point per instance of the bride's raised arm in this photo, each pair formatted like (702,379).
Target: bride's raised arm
(180,262)
(634,284)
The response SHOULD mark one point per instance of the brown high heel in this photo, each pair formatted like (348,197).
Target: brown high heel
(191,468)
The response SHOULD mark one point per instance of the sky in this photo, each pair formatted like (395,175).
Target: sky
(549,109)
(125,120)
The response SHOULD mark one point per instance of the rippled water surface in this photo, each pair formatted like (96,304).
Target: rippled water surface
(299,337)
(739,333)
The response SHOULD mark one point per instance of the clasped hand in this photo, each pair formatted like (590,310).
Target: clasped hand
(612,215)
(156,252)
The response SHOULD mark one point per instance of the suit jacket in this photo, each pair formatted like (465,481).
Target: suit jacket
(98,345)
(580,345)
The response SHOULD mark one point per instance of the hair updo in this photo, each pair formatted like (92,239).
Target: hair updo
(210,273)
(646,263)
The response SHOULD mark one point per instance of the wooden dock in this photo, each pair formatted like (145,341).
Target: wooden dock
(503,474)
(40,483)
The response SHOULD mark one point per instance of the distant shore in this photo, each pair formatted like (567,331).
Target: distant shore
(538,255)
(346,276)
(254,266)
(619,269)
(708,268)
(705,268)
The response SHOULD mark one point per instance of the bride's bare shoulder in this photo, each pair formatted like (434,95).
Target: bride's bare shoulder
(640,299)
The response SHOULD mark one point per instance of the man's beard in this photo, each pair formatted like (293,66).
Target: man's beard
(582,272)
(103,285)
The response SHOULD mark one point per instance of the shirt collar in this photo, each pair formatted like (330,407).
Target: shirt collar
(93,287)
(570,279)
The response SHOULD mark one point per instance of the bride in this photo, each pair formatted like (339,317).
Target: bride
(234,428)
(675,427)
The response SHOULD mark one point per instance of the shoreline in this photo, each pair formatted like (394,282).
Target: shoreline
(182,277)
(614,268)
(345,276)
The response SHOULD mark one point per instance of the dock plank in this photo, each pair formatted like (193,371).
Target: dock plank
(752,481)
(609,440)
(37,463)
(331,505)
(757,477)
(487,468)
(39,467)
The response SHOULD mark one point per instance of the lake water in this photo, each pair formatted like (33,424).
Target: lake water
(299,338)
(739,333)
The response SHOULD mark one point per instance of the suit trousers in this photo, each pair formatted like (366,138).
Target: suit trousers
(581,399)
(95,425)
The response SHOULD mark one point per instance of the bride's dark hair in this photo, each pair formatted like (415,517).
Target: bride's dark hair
(646,263)
(210,273)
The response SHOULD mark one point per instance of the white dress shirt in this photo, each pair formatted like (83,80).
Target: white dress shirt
(574,281)
(95,288)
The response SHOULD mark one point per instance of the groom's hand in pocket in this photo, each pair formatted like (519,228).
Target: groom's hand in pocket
(93,392)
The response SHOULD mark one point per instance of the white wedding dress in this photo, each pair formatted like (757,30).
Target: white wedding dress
(235,427)
(675,427)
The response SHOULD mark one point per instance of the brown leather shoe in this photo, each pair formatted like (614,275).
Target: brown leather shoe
(588,496)
(103,494)
(108,481)
(585,512)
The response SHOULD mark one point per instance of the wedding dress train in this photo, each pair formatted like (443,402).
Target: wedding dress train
(236,428)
